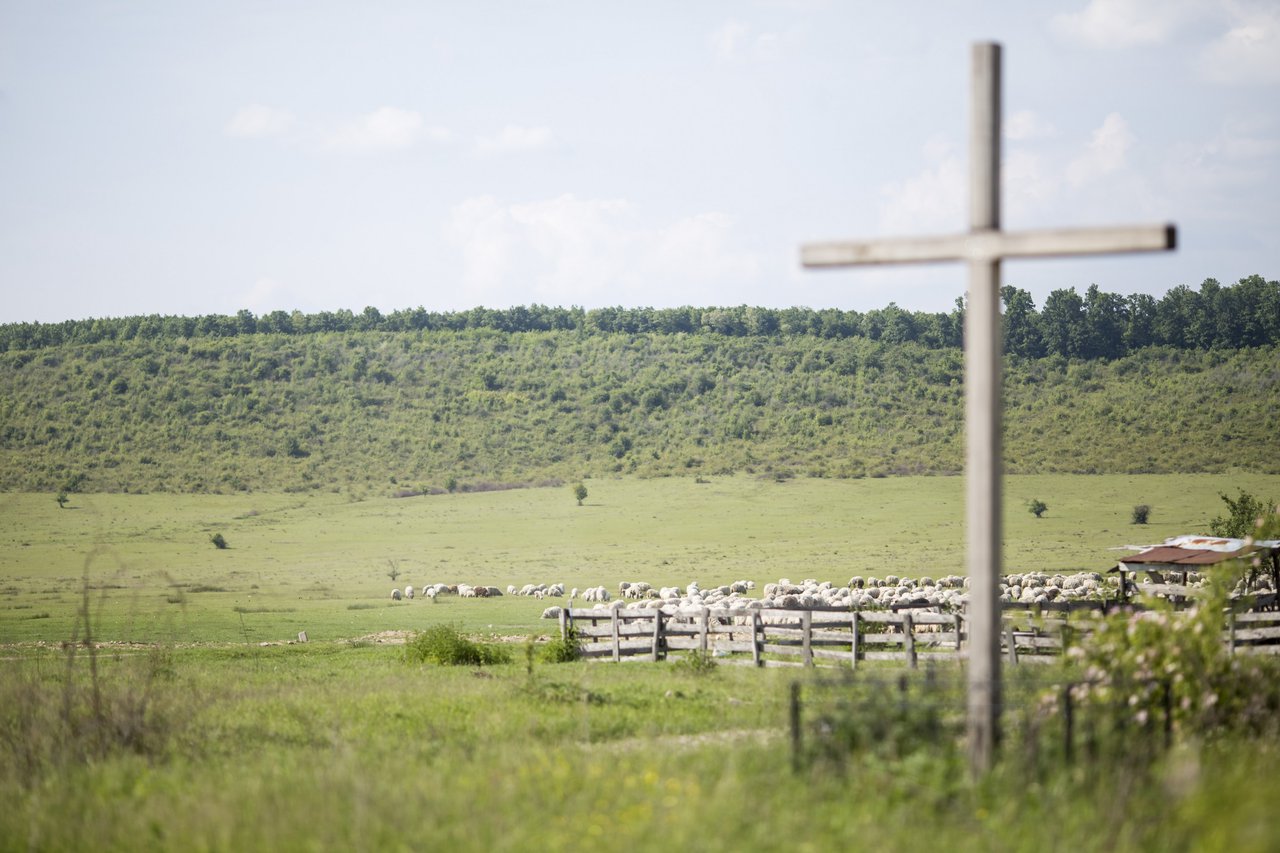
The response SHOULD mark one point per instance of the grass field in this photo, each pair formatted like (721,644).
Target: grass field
(205,739)
(342,746)
(320,563)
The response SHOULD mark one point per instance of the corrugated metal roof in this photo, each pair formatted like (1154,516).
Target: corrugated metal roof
(1197,550)
(1181,556)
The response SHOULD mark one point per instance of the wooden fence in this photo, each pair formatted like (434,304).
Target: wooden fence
(777,637)
(1254,632)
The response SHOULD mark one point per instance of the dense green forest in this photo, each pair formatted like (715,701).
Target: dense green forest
(408,412)
(1095,325)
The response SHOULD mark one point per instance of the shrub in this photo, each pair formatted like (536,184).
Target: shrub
(1038,507)
(561,649)
(219,541)
(1141,513)
(1246,513)
(696,663)
(444,645)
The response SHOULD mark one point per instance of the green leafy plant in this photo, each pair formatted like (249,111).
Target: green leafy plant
(561,649)
(1141,513)
(1244,515)
(446,646)
(580,492)
(219,541)
(1038,507)
(696,663)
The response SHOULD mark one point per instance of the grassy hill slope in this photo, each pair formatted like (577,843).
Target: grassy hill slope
(377,413)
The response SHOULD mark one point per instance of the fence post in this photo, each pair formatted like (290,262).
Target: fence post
(854,642)
(1231,631)
(564,623)
(806,626)
(657,633)
(959,630)
(617,644)
(909,638)
(706,615)
(1168,715)
(795,727)
(1068,724)
(1013,648)
(757,636)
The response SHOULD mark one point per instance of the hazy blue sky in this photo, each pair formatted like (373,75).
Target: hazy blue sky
(192,158)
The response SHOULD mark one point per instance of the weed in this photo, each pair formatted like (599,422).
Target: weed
(561,649)
(444,645)
(696,663)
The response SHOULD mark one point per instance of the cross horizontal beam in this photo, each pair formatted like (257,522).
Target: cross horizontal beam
(991,245)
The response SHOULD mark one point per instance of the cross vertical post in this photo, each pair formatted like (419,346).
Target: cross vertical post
(983,248)
(983,413)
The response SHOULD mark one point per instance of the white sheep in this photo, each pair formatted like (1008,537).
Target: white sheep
(408,592)
(395,595)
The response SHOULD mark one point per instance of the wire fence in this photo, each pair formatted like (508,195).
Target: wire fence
(1047,719)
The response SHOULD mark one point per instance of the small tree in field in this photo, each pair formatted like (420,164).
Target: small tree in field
(219,541)
(1038,507)
(393,570)
(580,492)
(1245,514)
(1141,513)
(62,500)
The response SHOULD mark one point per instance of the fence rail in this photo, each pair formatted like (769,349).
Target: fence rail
(778,637)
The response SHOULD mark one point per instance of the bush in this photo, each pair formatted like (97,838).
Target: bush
(1245,514)
(1141,513)
(1038,507)
(561,649)
(443,645)
(218,541)
(696,663)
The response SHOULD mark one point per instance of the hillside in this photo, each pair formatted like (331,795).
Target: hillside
(405,412)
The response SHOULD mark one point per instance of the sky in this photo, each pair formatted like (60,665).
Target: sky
(196,158)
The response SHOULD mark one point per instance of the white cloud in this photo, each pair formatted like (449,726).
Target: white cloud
(1126,23)
(266,295)
(1030,186)
(734,41)
(514,138)
(567,249)
(1024,125)
(387,128)
(931,201)
(1105,153)
(1247,53)
(257,121)
(481,227)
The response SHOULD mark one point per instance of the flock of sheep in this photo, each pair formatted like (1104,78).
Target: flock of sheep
(948,593)
(460,589)
(866,593)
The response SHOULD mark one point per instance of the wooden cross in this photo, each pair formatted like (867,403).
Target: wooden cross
(983,247)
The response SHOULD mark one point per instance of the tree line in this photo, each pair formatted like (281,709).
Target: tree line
(1095,325)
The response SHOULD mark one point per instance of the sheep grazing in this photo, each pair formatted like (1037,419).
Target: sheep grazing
(395,595)
(408,592)
(431,593)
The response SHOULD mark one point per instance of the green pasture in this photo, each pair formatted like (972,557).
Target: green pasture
(344,746)
(320,563)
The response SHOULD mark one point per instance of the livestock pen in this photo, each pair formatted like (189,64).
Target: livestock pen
(846,637)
